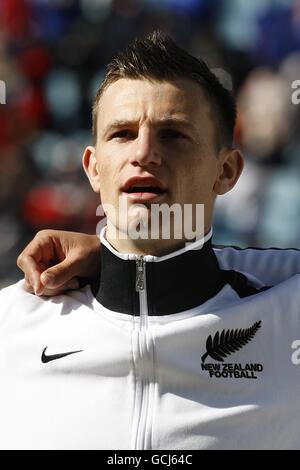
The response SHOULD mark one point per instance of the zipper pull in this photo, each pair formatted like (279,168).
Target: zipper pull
(140,274)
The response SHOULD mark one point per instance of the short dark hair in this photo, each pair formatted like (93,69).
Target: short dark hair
(158,57)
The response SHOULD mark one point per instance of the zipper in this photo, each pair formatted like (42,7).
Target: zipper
(141,439)
(140,274)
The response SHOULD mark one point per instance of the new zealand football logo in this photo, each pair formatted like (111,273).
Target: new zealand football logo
(223,345)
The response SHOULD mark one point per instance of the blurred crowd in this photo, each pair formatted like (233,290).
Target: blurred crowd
(52,59)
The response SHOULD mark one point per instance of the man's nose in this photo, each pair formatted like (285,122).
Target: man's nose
(147,151)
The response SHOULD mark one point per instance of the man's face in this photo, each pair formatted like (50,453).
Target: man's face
(159,130)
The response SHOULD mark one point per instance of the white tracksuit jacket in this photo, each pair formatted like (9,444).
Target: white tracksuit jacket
(177,352)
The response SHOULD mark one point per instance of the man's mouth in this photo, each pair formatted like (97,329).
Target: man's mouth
(145,189)
(145,194)
(142,189)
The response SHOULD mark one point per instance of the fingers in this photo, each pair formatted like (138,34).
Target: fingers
(28,286)
(62,274)
(32,270)
(53,259)
(47,292)
(31,263)
(37,256)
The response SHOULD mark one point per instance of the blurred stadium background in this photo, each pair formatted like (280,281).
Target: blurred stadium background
(52,59)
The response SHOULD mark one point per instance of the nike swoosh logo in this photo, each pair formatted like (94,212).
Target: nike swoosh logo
(52,357)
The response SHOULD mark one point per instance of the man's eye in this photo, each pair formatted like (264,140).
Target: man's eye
(172,134)
(124,134)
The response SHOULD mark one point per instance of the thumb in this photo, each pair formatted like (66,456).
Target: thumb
(60,274)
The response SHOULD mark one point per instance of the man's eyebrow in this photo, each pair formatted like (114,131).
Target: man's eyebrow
(175,121)
(119,123)
(164,122)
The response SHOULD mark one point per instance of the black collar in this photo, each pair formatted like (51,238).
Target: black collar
(173,285)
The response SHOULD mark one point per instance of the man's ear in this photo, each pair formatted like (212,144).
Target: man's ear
(230,167)
(90,166)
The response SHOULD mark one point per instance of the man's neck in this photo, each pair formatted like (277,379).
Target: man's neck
(143,247)
(179,281)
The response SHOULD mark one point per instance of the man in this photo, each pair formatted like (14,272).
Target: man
(167,350)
